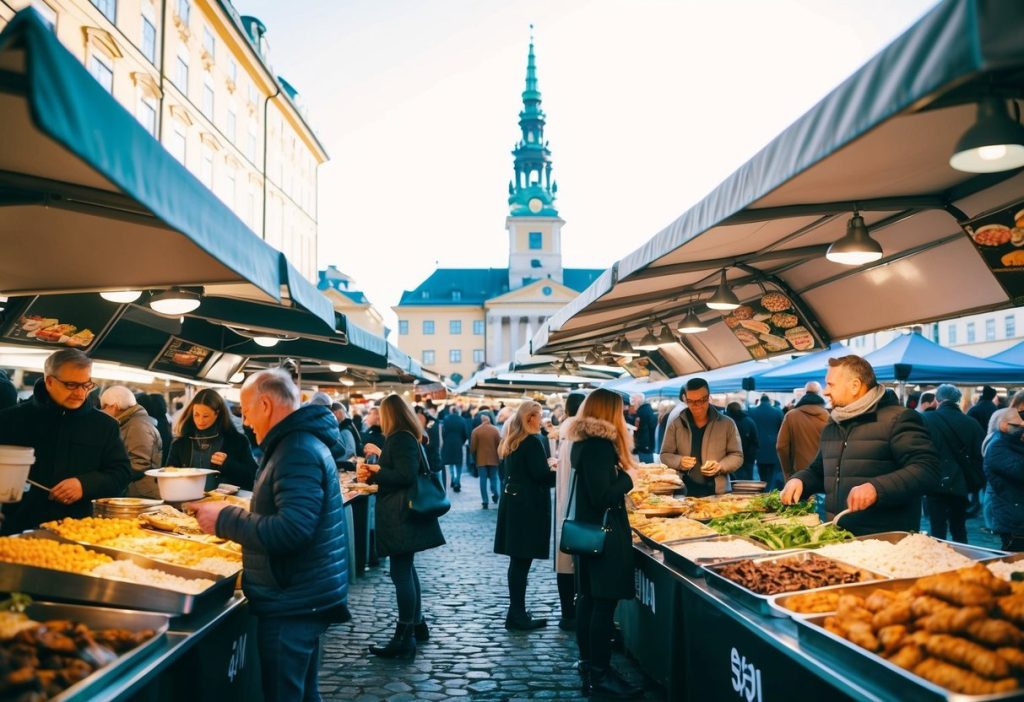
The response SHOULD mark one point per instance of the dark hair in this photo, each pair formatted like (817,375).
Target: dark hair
(207,398)
(734,409)
(573,402)
(988,392)
(765,398)
(857,367)
(694,384)
(926,397)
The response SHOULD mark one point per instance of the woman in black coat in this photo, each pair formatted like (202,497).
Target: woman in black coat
(524,512)
(398,534)
(207,438)
(603,472)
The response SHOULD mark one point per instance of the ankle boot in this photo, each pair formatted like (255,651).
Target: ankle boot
(522,621)
(402,645)
(607,684)
(421,632)
(583,668)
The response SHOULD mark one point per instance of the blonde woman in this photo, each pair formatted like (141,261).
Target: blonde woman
(524,512)
(603,469)
(397,535)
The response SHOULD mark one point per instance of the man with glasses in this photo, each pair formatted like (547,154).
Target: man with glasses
(702,443)
(78,449)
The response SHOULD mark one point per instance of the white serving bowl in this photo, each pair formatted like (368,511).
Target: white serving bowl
(180,484)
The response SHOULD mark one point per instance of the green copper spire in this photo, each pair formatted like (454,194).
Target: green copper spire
(532,190)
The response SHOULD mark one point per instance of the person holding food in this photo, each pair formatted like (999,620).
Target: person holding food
(294,540)
(702,443)
(399,535)
(207,438)
(78,451)
(140,436)
(876,457)
(524,511)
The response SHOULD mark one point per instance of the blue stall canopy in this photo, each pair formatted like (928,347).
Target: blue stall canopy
(800,371)
(1013,355)
(878,144)
(725,379)
(915,359)
(90,201)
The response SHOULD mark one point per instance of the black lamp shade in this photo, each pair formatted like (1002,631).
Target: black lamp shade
(995,142)
(857,247)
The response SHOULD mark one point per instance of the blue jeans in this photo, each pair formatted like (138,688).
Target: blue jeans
(488,474)
(289,656)
(456,473)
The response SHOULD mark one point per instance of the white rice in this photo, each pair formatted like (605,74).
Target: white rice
(126,570)
(912,557)
(718,549)
(1005,570)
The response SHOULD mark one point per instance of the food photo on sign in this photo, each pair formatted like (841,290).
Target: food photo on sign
(59,320)
(769,326)
(182,357)
(999,238)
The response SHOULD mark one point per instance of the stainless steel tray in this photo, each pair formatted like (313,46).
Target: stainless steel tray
(778,602)
(102,618)
(902,684)
(975,553)
(76,587)
(695,567)
(761,603)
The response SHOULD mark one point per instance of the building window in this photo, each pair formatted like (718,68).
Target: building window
(184,9)
(1011,326)
(951,335)
(478,355)
(250,146)
(146,115)
(149,40)
(536,240)
(102,71)
(428,326)
(990,330)
(209,43)
(178,143)
(181,74)
(232,125)
(455,326)
(107,7)
(208,98)
(233,71)
(230,183)
(206,168)
(253,95)
(456,295)
(428,358)
(478,327)
(970,333)
(403,327)
(455,356)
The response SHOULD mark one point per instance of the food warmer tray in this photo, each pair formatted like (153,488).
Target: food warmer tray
(761,603)
(975,553)
(695,568)
(903,684)
(77,587)
(659,546)
(102,618)
(864,590)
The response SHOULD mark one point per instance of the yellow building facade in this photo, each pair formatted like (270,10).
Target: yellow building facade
(347,299)
(196,75)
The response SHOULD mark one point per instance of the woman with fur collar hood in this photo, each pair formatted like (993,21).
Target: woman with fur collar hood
(604,471)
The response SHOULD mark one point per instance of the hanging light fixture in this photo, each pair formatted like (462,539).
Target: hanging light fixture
(649,342)
(857,247)
(336,368)
(691,324)
(121,296)
(724,298)
(174,302)
(237,378)
(994,143)
(666,337)
(622,347)
(267,342)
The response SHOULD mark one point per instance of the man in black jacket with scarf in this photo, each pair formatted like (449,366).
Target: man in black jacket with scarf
(294,539)
(876,457)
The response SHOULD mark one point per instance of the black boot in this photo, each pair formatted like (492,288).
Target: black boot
(522,621)
(421,632)
(402,645)
(583,668)
(607,684)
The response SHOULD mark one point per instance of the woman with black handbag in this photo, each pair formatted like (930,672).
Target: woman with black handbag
(400,534)
(603,472)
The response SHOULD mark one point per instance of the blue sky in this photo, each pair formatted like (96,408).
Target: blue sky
(650,104)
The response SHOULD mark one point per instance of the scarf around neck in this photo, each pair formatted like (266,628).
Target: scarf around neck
(865,403)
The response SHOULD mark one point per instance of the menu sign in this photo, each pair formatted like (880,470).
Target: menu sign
(182,358)
(61,320)
(999,238)
(769,326)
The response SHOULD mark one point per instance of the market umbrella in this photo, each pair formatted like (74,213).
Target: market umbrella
(726,379)
(1013,355)
(799,371)
(913,358)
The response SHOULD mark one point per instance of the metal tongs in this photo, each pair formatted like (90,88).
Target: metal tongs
(835,519)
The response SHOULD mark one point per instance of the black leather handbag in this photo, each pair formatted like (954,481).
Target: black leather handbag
(581,538)
(426,497)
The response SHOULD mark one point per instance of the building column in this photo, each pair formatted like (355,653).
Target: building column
(496,340)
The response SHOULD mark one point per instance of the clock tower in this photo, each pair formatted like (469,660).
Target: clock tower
(534,227)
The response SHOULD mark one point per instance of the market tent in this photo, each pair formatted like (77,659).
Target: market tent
(879,144)
(501,381)
(915,359)
(726,379)
(799,371)
(91,201)
(1013,355)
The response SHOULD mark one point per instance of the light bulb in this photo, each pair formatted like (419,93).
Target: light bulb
(337,368)
(266,341)
(121,296)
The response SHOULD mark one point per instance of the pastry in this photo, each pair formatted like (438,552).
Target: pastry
(743,312)
(1014,258)
(774,343)
(755,326)
(800,338)
(775,302)
(732,322)
(992,235)
(746,337)
(785,320)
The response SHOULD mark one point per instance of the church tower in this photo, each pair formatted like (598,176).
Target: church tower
(534,227)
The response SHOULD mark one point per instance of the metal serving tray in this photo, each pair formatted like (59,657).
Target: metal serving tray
(77,587)
(695,567)
(778,602)
(102,618)
(975,553)
(761,603)
(902,684)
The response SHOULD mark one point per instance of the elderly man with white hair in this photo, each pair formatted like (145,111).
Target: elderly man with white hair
(140,437)
(797,443)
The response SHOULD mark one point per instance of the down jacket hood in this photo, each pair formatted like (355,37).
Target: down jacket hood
(591,428)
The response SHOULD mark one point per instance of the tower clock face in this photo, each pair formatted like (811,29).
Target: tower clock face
(535,204)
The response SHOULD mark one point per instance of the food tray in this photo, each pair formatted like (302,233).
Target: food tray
(695,568)
(748,486)
(900,684)
(102,618)
(761,603)
(862,589)
(77,587)
(975,553)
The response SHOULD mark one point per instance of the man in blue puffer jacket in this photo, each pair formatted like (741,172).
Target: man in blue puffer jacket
(294,540)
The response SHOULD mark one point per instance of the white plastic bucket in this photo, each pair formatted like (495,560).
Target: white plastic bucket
(15,462)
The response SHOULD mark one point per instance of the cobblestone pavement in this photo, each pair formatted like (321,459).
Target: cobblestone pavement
(470,655)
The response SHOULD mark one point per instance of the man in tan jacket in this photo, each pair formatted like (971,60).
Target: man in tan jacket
(800,432)
(483,446)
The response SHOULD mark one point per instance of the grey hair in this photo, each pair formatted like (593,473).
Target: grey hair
(813,386)
(74,357)
(277,383)
(637,397)
(118,396)
(948,393)
(320,398)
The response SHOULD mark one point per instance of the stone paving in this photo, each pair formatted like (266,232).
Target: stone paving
(470,655)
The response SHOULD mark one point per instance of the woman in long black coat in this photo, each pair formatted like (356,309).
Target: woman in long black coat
(524,511)
(399,535)
(454,435)
(603,472)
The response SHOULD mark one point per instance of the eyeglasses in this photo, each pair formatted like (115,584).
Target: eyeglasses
(698,400)
(87,385)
